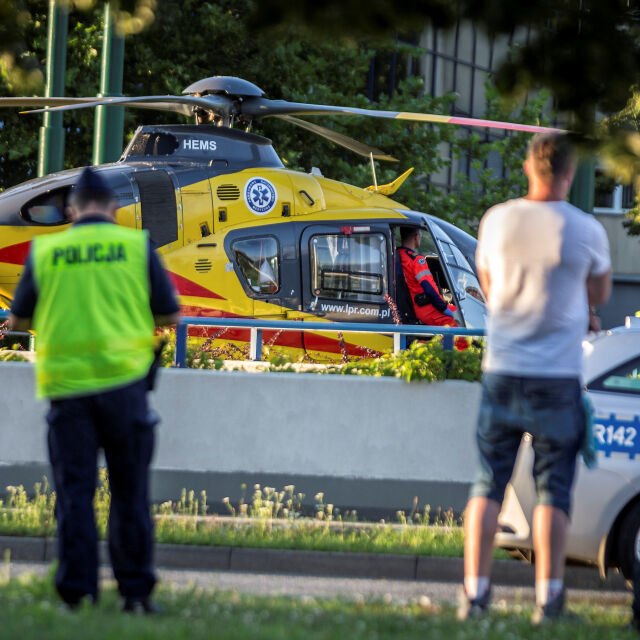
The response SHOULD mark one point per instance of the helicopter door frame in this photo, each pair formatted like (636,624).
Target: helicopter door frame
(444,268)
(470,300)
(348,308)
(287,297)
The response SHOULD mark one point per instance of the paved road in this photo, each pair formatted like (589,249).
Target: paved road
(399,591)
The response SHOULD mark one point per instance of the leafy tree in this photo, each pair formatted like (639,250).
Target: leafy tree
(586,52)
(19,133)
(190,39)
(18,63)
(620,139)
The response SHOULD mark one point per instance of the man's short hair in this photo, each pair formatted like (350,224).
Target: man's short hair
(551,155)
(91,187)
(407,232)
(80,200)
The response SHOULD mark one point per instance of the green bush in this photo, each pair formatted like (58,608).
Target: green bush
(422,361)
(7,355)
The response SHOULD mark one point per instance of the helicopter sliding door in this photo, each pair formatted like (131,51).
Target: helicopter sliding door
(266,268)
(346,277)
(158,208)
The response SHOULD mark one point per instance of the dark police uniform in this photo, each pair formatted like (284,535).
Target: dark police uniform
(92,292)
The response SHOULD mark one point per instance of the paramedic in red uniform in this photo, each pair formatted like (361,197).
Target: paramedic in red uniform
(428,304)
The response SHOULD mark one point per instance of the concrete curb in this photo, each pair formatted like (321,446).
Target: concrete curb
(320,563)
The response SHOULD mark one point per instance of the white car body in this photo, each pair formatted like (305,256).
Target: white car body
(605,519)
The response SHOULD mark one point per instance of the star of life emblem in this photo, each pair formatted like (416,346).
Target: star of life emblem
(260,195)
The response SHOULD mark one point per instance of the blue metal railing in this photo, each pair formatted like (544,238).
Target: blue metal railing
(5,314)
(398,331)
(256,327)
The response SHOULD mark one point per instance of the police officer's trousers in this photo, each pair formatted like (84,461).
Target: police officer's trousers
(119,422)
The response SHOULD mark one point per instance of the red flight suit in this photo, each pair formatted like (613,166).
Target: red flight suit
(420,281)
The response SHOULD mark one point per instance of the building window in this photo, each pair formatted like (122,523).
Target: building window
(259,263)
(349,267)
(610,196)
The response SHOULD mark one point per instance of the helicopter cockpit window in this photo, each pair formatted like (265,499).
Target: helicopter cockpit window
(47,209)
(154,143)
(349,267)
(258,262)
(461,271)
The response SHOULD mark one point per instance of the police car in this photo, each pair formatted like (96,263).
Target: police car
(605,521)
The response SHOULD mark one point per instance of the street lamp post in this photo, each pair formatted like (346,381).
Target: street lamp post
(51,139)
(109,123)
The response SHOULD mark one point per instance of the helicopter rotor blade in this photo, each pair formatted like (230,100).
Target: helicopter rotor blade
(221,105)
(42,102)
(250,105)
(340,139)
(263,107)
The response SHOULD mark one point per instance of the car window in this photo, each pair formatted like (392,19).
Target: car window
(349,267)
(623,379)
(259,263)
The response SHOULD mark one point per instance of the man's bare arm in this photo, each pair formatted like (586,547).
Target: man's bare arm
(485,282)
(18,324)
(162,321)
(599,288)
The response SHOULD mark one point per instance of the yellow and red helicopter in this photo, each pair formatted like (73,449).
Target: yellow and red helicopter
(243,236)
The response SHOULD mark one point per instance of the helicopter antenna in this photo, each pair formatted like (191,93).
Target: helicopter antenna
(373,171)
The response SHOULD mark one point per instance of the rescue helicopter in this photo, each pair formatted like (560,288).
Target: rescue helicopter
(244,237)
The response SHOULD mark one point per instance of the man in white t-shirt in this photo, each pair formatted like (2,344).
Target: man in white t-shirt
(541,263)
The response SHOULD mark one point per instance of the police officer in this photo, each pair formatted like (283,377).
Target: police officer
(94,293)
(428,305)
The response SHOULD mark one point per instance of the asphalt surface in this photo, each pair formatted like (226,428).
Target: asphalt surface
(330,564)
(357,589)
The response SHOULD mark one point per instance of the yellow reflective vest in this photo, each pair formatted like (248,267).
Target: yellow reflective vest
(92,318)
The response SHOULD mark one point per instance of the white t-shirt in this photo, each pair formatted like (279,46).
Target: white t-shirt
(538,256)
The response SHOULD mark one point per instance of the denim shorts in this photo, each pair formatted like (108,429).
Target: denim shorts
(549,409)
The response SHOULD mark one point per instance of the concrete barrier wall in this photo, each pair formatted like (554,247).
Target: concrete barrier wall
(368,443)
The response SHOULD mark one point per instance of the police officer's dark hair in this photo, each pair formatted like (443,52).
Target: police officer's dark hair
(81,199)
(551,155)
(91,187)
(407,232)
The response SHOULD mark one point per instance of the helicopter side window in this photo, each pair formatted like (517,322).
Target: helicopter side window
(259,263)
(349,267)
(47,209)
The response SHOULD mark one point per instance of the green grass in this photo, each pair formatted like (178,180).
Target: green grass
(310,535)
(30,610)
(270,519)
